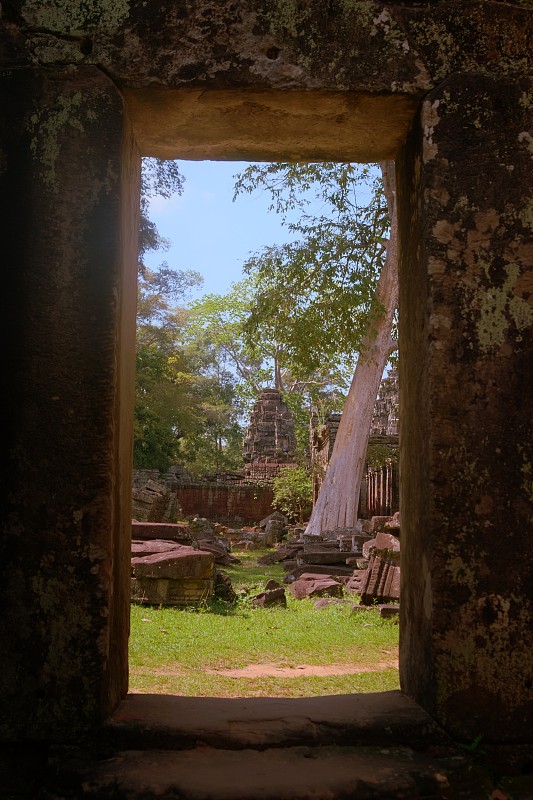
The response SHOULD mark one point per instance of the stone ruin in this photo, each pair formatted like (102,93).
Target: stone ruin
(385,421)
(270,441)
(154,496)
(176,564)
(379,493)
(363,561)
(444,89)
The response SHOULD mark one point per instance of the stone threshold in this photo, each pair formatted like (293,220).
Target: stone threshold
(377,746)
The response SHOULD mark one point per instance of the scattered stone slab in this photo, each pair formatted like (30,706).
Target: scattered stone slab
(272,584)
(309,585)
(151,546)
(388,611)
(267,599)
(327,602)
(179,562)
(355,584)
(331,570)
(183,593)
(176,532)
(382,582)
(277,517)
(332,556)
(382,541)
(219,547)
(247,544)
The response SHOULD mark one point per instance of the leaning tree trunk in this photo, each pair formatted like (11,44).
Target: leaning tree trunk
(338,499)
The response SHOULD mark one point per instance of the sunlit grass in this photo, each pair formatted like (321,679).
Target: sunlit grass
(171,649)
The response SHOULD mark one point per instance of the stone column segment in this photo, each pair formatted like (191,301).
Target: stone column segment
(466,386)
(67,318)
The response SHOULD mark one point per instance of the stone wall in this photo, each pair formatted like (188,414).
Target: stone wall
(247,502)
(380,490)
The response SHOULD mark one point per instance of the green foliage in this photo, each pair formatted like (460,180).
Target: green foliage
(218,328)
(158,179)
(293,492)
(295,322)
(379,455)
(185,410)
(315,294)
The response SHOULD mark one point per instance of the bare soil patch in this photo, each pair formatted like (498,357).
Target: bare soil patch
(273,670)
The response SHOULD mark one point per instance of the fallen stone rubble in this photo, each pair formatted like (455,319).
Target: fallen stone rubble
(176,564)
(363,561)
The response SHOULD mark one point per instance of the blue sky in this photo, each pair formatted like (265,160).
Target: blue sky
(209,232)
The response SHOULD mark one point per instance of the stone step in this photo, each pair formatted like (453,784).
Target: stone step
(380,746)
(295,773)
(171,722)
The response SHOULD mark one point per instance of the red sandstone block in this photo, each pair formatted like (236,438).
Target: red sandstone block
(320,587)
(183,563)
(160,530)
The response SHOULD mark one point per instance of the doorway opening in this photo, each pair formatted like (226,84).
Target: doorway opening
(197,365)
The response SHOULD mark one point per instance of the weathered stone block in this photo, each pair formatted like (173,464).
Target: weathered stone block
(270,598)
(181,592)
(148,548)
(309,585)
(176,532)
(181,562)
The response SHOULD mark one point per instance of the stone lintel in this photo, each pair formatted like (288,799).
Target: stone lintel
(269,125)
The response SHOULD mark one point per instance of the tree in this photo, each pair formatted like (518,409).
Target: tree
(337,286)
(164,401)
(158,179)
(338,499)
(186,409)
(314,294)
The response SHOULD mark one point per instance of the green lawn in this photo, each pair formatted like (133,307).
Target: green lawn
(172,650)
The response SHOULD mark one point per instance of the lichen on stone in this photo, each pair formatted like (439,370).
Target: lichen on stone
(498,307)
(45,126)
(75,17)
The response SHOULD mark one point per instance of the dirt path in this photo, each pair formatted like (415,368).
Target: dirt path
(273,670)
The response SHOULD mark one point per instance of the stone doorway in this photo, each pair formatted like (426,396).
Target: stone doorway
(447,93)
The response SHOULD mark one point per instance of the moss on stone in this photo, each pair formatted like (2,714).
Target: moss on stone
(76,18)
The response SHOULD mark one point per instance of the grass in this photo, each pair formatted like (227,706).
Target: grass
(176,651)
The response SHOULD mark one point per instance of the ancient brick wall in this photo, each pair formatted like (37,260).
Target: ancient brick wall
(246,501)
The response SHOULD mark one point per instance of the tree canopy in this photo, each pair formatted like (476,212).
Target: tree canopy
(184,404)
(315,294)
